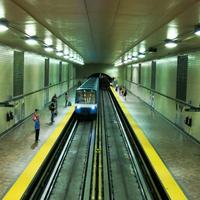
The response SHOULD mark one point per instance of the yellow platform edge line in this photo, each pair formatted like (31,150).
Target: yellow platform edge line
(20,186)
(170,185)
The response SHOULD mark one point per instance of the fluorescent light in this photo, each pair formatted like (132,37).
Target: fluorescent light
(31,40)
(59,53)
(170,43)
(3,25)
(172,32)
(141,55)
(48,41)
(3,28)
(48,48)
(134,58)
(30,29)
(197,30)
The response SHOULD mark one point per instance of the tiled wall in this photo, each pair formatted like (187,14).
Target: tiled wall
(6,68)
(146,74)
(54,71)
(166,72)
(135,73)
(193,84)
(33,72)
(33,80)
(166,75)
(6,84)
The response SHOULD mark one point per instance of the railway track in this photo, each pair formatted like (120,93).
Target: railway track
(96,160)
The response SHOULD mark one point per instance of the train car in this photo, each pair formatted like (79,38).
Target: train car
(86,100)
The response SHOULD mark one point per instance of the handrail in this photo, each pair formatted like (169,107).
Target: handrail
(6,103)
(191,107)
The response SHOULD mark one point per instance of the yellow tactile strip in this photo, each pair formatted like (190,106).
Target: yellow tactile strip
(22,183)
(171,187)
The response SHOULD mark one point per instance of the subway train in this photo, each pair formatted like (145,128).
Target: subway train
(86,99)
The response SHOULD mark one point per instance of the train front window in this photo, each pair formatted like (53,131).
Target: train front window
(85,97)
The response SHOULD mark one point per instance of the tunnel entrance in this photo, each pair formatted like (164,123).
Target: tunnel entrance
(104,80)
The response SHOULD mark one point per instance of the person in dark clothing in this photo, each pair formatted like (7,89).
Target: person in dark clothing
(66,99)
(125,93)
(37,128)
(52,109)
(54,100)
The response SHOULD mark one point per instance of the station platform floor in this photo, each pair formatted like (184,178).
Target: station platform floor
(179,152)
(18,147)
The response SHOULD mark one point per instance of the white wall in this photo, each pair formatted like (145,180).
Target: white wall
(34,69)
(166,75)
(6,84)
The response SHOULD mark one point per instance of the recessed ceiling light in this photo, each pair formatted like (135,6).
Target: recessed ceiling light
(197,30)
(59,53)
(134,58)
(31,40)
(141,55)
(170,43)
(3,25)
(48,48)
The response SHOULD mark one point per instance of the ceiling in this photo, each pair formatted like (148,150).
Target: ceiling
(102,30)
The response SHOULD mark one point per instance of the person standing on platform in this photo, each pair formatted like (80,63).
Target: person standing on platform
(35,114)
(54,100)
(52,109)
(125,93)
(66,99)
(37,128)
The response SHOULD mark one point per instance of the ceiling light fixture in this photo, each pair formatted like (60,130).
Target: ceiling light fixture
(66,56)
(3,25)
(59,53)
(170,43)
(48,48)
(32,40)
(134,58)
(197,30)
(141,55)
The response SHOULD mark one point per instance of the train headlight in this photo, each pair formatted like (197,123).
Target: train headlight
(93,107)
(78,107)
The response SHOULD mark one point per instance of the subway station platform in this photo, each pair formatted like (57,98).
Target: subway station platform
(18,147)
(179,152)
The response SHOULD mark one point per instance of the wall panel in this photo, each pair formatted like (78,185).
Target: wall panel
(135,73)
(54,71)
(33,72)
(18,73)
(166,73)
(6,75)
(36,100)
(193,83)
(129,73)
(146,74)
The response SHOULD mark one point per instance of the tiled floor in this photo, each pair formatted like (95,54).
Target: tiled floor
(18,147)
(180,153)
